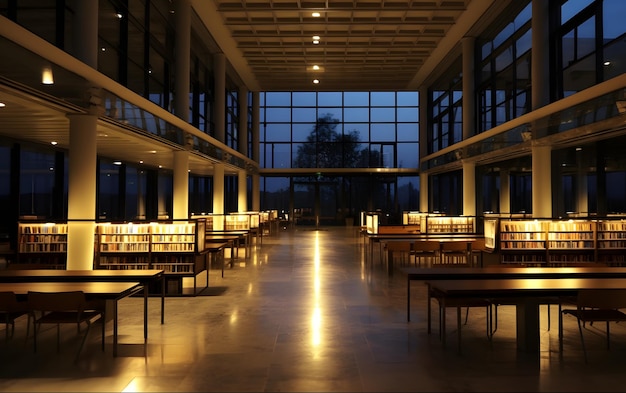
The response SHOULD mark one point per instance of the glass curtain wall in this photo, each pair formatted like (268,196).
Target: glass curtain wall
(339,130)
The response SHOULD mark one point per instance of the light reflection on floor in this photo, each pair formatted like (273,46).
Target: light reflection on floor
(307,312)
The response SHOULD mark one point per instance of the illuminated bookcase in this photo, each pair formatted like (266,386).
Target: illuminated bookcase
(611,242)
(450,224)
(176,247)
(571,241)
(523,241)
(42,243)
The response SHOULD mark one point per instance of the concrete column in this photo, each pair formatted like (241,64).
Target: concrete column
(255,126)
(540,61)
(582,197)
(505,192)
(423,122)
(468,87)
(182,52)
(243,121)
(181,185)
(423,147)
(242,185)
(218,188)
(219,111)
(542,181)
(256,193)
(469,189)
(424,192)
(81,196)
(85,32)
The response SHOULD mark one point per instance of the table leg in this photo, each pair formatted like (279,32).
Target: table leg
(428,306)
(114,306)
(408,299)
(162,299)
(527,314)
(145,312)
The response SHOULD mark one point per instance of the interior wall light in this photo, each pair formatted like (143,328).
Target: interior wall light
(47,78)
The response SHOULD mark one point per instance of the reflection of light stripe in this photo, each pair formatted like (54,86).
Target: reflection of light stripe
(316,318)
(316,326)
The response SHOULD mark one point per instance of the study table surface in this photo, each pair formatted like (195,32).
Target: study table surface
(527,291)
(415,238)
(498,272)
(144,276)
(93,290)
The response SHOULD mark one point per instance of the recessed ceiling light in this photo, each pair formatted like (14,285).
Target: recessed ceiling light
(316,37)
(46,76)
(316,67)
(141,161)
(316,42)
(316,14)
(316,81)
(117,162)
(53,143)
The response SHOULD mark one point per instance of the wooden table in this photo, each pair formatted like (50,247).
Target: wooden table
(93,290)
(216,249)
(497,272)
(527,291)
(145,277)
(385,238)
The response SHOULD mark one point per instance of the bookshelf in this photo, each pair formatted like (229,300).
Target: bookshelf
(611,242)
(42,244)
(560,242)
(445,224)
(523,241)
(571,241)
(177,248)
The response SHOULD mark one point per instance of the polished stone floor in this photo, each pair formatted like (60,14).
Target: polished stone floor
(307,313)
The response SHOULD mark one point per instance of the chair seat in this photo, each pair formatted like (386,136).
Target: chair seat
(596,315)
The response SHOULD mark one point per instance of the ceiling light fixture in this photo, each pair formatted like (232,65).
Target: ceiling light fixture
(47,78)
(316,39)
(53,143)
(316,67)
(316,81)
(2,104)
(316,14)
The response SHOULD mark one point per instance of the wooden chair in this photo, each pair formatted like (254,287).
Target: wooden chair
(10,310)
(595,305)
(477,249)
(455,252)
(458,304)
(62,308)
(402,248)
(427,250)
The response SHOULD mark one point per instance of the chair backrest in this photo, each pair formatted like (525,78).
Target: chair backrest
(399,246)
(602,298)
(478,245)
(57,301)
(9,303)
(426,245)
(454,246)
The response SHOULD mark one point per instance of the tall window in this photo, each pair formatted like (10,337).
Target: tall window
(504,77)
(356,129)
(590,42)
(447,110)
